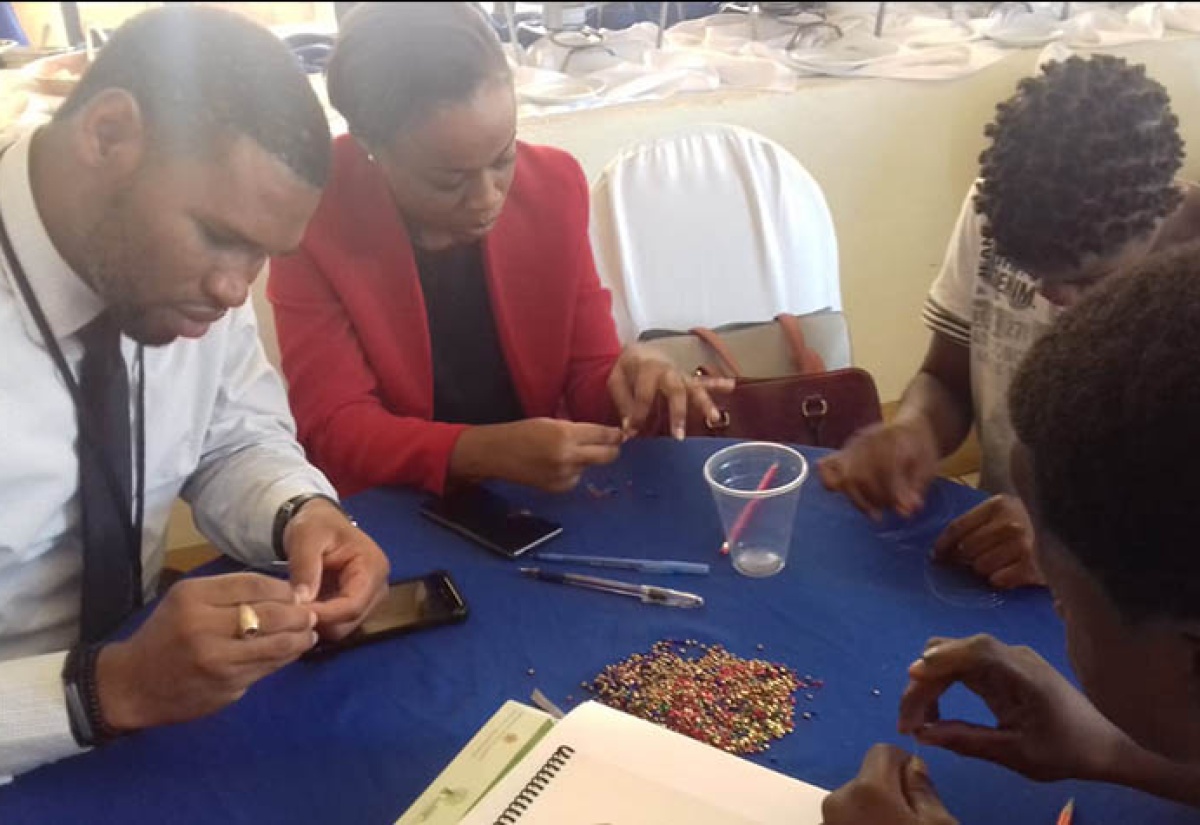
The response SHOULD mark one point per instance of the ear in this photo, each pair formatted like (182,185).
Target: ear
(111,135)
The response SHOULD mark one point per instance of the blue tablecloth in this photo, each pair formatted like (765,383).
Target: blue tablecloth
(355,739)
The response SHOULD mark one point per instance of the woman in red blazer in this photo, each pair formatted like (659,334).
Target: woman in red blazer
(442,319)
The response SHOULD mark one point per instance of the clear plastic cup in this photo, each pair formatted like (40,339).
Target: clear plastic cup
(756,486)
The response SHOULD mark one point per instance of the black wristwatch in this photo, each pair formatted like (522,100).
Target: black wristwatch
(288,510)
(83,697)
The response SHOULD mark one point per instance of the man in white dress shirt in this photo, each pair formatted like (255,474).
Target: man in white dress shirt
(192,149)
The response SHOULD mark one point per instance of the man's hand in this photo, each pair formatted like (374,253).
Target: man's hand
(643,373)
(547,453)
(336,569)
(188,660)
(886,466)
(996,540)
(1045,728)
(892,788)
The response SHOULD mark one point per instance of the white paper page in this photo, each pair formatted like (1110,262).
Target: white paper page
(587,791)
(656,771)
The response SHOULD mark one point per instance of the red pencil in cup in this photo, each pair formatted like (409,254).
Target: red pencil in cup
(743,519)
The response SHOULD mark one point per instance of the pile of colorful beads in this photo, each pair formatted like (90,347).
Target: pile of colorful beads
(705,692)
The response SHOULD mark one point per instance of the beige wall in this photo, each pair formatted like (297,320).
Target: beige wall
(895,159)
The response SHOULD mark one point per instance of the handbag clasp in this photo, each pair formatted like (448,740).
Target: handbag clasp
(814,408)
(722,423)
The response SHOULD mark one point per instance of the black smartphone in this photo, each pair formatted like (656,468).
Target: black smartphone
(488,519)
(413,604)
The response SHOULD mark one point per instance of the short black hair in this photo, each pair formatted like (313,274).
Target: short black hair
(1108,404)
(201,74)
(1082,160)
(394,63)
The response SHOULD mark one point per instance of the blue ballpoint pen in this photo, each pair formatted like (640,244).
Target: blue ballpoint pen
(648,593)
(641,565)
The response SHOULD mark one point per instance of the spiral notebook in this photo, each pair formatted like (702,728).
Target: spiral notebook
(599,765)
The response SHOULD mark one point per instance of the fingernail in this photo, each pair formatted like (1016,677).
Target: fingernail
(304,593)
(315,639)
(679,433)
(312,620)
(917,765)
(625,423)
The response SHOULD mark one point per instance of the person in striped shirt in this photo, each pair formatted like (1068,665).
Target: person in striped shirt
(1079,181)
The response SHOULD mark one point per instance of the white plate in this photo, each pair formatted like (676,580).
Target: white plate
(1022,29)
(924,37)
(845,54)
(56,75)
(1025,39)
(561,90)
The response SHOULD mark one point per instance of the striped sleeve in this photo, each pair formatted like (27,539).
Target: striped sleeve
(940,319)
(948,307)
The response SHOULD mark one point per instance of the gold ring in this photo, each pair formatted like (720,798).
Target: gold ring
(247,622)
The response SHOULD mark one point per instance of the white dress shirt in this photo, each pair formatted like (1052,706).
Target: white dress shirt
(218,433)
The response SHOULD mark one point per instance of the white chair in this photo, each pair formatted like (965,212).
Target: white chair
(713,225)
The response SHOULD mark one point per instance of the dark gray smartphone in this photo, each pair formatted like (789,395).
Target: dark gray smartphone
(413,604)
(491,521)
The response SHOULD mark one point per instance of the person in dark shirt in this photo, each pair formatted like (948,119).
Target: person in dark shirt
(1106,409)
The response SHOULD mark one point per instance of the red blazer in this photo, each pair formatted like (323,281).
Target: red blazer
(354,338)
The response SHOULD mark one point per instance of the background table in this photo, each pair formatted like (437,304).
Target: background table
(355,739)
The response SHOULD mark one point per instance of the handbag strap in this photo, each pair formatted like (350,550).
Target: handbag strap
(728,363)
(805,359)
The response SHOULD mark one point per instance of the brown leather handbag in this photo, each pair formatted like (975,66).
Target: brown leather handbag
(810,406)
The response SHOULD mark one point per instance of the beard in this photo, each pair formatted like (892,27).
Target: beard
(143,327)
(119,269)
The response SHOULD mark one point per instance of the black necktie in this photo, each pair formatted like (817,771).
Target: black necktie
(106,483)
